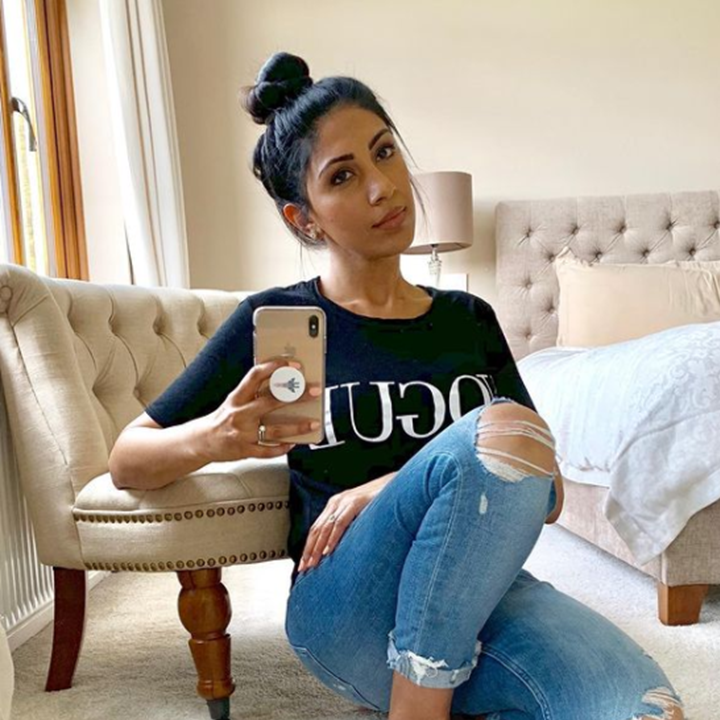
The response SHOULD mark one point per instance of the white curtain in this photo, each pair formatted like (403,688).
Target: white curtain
(146,144)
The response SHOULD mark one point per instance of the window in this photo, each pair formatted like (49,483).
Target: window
(41,223)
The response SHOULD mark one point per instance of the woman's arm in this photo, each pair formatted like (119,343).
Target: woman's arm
(147,456)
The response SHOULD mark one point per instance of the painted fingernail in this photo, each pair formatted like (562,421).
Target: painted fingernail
(314,391)
(326,550)
(295,364)
(314,425)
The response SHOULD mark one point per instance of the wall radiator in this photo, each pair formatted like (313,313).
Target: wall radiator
(26,586)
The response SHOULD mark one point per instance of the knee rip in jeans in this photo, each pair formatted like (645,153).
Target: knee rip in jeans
(667,701)
(518,428)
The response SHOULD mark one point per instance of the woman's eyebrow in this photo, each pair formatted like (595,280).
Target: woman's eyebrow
(342,158)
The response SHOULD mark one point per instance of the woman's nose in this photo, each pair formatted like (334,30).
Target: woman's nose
(380,186)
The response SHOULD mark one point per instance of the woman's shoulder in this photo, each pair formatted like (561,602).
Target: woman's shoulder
(298,293)
(467,301)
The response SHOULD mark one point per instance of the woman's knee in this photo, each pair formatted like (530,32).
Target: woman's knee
(666,701)
(514,441)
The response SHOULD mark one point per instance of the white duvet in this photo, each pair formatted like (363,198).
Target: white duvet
(641,417)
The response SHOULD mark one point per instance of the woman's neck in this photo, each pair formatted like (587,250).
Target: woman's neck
(386,296)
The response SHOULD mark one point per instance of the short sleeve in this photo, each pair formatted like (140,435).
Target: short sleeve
(214,372)
(508,382)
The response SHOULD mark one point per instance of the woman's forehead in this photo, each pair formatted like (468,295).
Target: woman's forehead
(342,130)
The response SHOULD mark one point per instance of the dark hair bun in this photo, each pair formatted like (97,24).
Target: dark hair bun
(281,79)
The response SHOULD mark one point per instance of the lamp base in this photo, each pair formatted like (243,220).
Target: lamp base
(434,265)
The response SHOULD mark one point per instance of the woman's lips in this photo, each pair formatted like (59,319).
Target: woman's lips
(393,222)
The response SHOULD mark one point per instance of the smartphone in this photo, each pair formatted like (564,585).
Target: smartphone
(295,333)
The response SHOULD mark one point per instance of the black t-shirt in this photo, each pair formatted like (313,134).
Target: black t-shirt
(391,386)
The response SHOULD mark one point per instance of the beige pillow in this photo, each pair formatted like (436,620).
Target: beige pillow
(604,303)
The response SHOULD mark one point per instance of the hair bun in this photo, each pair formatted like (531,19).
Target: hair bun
(281,79)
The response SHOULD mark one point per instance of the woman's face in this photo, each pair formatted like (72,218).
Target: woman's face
(356,178)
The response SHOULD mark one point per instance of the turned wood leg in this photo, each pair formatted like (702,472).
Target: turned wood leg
(680,604)
(204,606)
(70,601)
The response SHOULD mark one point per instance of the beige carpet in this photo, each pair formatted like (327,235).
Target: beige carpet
(135,664)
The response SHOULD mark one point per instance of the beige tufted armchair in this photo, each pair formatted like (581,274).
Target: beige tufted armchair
(78,362)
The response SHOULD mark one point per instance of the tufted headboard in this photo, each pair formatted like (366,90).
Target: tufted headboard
(642,228)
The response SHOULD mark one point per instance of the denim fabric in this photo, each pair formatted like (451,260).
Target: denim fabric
(428,581)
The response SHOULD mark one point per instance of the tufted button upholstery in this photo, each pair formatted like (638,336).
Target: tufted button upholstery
(645,253)
(622,228)
(84,384)
(598,255)
(551,257)
(717,224)
(692,252)
(5,295)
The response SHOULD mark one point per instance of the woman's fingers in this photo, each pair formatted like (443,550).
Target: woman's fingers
(335,534)
(314,544)
(324,533)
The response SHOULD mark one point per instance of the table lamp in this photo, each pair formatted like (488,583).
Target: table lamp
(448,221)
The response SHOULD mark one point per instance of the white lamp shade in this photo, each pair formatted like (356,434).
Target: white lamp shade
(448,223)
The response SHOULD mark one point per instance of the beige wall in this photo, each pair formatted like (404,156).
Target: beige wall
(535,99)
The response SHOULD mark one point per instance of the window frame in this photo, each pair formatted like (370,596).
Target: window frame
(57,141)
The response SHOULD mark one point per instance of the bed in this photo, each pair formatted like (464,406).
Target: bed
(642,229)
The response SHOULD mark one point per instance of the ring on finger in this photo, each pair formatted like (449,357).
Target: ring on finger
(332,517)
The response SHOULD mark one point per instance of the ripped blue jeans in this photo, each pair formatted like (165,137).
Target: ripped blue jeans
(428,581)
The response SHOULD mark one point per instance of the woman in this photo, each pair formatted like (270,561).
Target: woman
(411,521)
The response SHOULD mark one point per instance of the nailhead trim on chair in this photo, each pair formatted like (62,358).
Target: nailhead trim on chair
(81,516)
(189,564)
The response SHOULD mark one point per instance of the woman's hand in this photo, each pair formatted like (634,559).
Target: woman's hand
(341,509)
(233,427)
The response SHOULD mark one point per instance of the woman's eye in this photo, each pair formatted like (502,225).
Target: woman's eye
(339,177)
(385,155)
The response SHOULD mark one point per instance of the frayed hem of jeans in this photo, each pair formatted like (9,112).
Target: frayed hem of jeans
(428,672)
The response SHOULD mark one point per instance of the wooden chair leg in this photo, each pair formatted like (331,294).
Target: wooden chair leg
(680,604)
(68,628)
(204,606)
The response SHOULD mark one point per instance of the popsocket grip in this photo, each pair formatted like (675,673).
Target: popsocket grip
(287,384)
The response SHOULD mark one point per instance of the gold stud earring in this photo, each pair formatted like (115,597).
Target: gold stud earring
(313,233)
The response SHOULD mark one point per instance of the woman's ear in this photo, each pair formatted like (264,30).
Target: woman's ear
(295,216)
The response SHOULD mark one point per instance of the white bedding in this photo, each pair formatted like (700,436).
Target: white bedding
(641,417)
